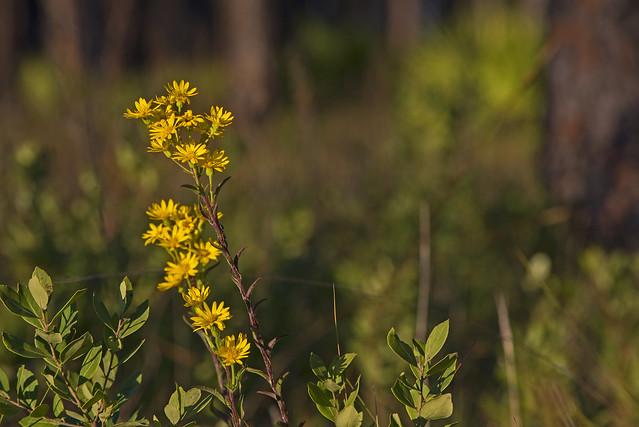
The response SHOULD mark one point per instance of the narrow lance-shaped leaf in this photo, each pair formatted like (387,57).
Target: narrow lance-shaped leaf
(436,339)
(77,348)
(73,298)
(136,321)
(318,368)
(400,348)
(11,300)
(20,347)
(339,364)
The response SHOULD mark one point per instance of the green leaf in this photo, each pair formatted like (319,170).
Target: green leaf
(7,409)
(201,404)
(50,337)
(349,417)
(38,285)
(437,408)
(90,363)
(173,410)
(436,339)
(445,379)
(191,397)
(400,348)
(58,406)
(130,384)
(339,364)
(395,421)
(125,295)
(102,312)
(258,372)
(4,382)
(77,348)
(213,393)
(136,321)
(402,392)
(131,353)
(39,411)
(327,412)
(35,422)
(445,363)
(99,395)
(66,305)
(353,394)
(68,318)
(11,300)
(20,347)
(332,386)
(26,387)
(318,368)
(321,397)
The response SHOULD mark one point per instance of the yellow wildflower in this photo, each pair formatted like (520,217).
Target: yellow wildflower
(143,109)
(232,351)
(158,146)
(194,297)
(219,119)
(185,266)
(205,252)
(215,161)
(207,318)
(163,211)
(170,281)
(191,153)
(163,129)
(179,92)
(189,120)
(175,238)
(154,233)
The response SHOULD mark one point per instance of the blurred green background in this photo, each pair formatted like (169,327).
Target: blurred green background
(366,134)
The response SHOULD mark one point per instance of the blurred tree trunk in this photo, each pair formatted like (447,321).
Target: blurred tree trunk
(248,45)
(62,41)
(591,158)
(119,16)
(7,50)
(404,20)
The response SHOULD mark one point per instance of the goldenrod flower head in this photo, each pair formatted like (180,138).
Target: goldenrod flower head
(163,129)
(170,281)
(219,119)
(165,210)
(158,146)
(205,252)
(154,233)
(175,238)
(215,161)
(143,109)
(191,153)
(189,120)
(194,297)
(179,92)
(185,266)
(208,318)
(232,351)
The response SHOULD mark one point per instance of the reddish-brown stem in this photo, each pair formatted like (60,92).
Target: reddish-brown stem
(236,419)
(237,279)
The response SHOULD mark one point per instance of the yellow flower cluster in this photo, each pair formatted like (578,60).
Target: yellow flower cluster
(179,230)
(174,130)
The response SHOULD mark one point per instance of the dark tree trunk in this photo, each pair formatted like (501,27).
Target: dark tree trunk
(249,53)
(591,158)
